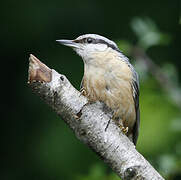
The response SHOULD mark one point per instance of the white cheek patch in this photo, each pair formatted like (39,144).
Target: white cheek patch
(100,47)
(92,48)
(87,52)
(80,52)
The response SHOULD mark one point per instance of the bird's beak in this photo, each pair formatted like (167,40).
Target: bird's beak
(70,43)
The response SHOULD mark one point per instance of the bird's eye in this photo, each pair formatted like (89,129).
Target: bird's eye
(89,40)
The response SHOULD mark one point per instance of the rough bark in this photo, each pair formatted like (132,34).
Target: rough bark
(89,121)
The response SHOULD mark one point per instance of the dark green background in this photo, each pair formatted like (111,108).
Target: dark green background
(35,142)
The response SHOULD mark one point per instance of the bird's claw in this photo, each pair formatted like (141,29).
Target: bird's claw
(83,91)
(124,129)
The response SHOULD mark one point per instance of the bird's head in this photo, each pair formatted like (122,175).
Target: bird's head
(90,44)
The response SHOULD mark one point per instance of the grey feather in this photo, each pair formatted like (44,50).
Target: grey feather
(135,87)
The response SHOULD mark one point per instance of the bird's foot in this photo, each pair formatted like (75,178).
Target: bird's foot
(123,129)
(83,92)
(119,123)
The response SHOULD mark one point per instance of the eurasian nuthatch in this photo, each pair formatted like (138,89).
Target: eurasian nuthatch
(109,77)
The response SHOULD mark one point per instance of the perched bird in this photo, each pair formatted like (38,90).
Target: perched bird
(110,78)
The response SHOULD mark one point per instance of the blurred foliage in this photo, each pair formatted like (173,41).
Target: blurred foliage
(98,172)
(159,108)
(36,144)
(148,33)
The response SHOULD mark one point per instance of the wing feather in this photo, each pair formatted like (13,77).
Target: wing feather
(135,87)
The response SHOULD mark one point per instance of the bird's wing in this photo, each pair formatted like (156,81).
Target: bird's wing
(135,90)
(135,87)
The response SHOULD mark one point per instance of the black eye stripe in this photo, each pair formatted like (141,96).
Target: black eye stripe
(97,41)
(101,41)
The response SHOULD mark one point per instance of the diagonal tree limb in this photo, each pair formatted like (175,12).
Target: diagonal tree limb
(88,121)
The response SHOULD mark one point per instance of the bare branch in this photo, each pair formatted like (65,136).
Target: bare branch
(88,121)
